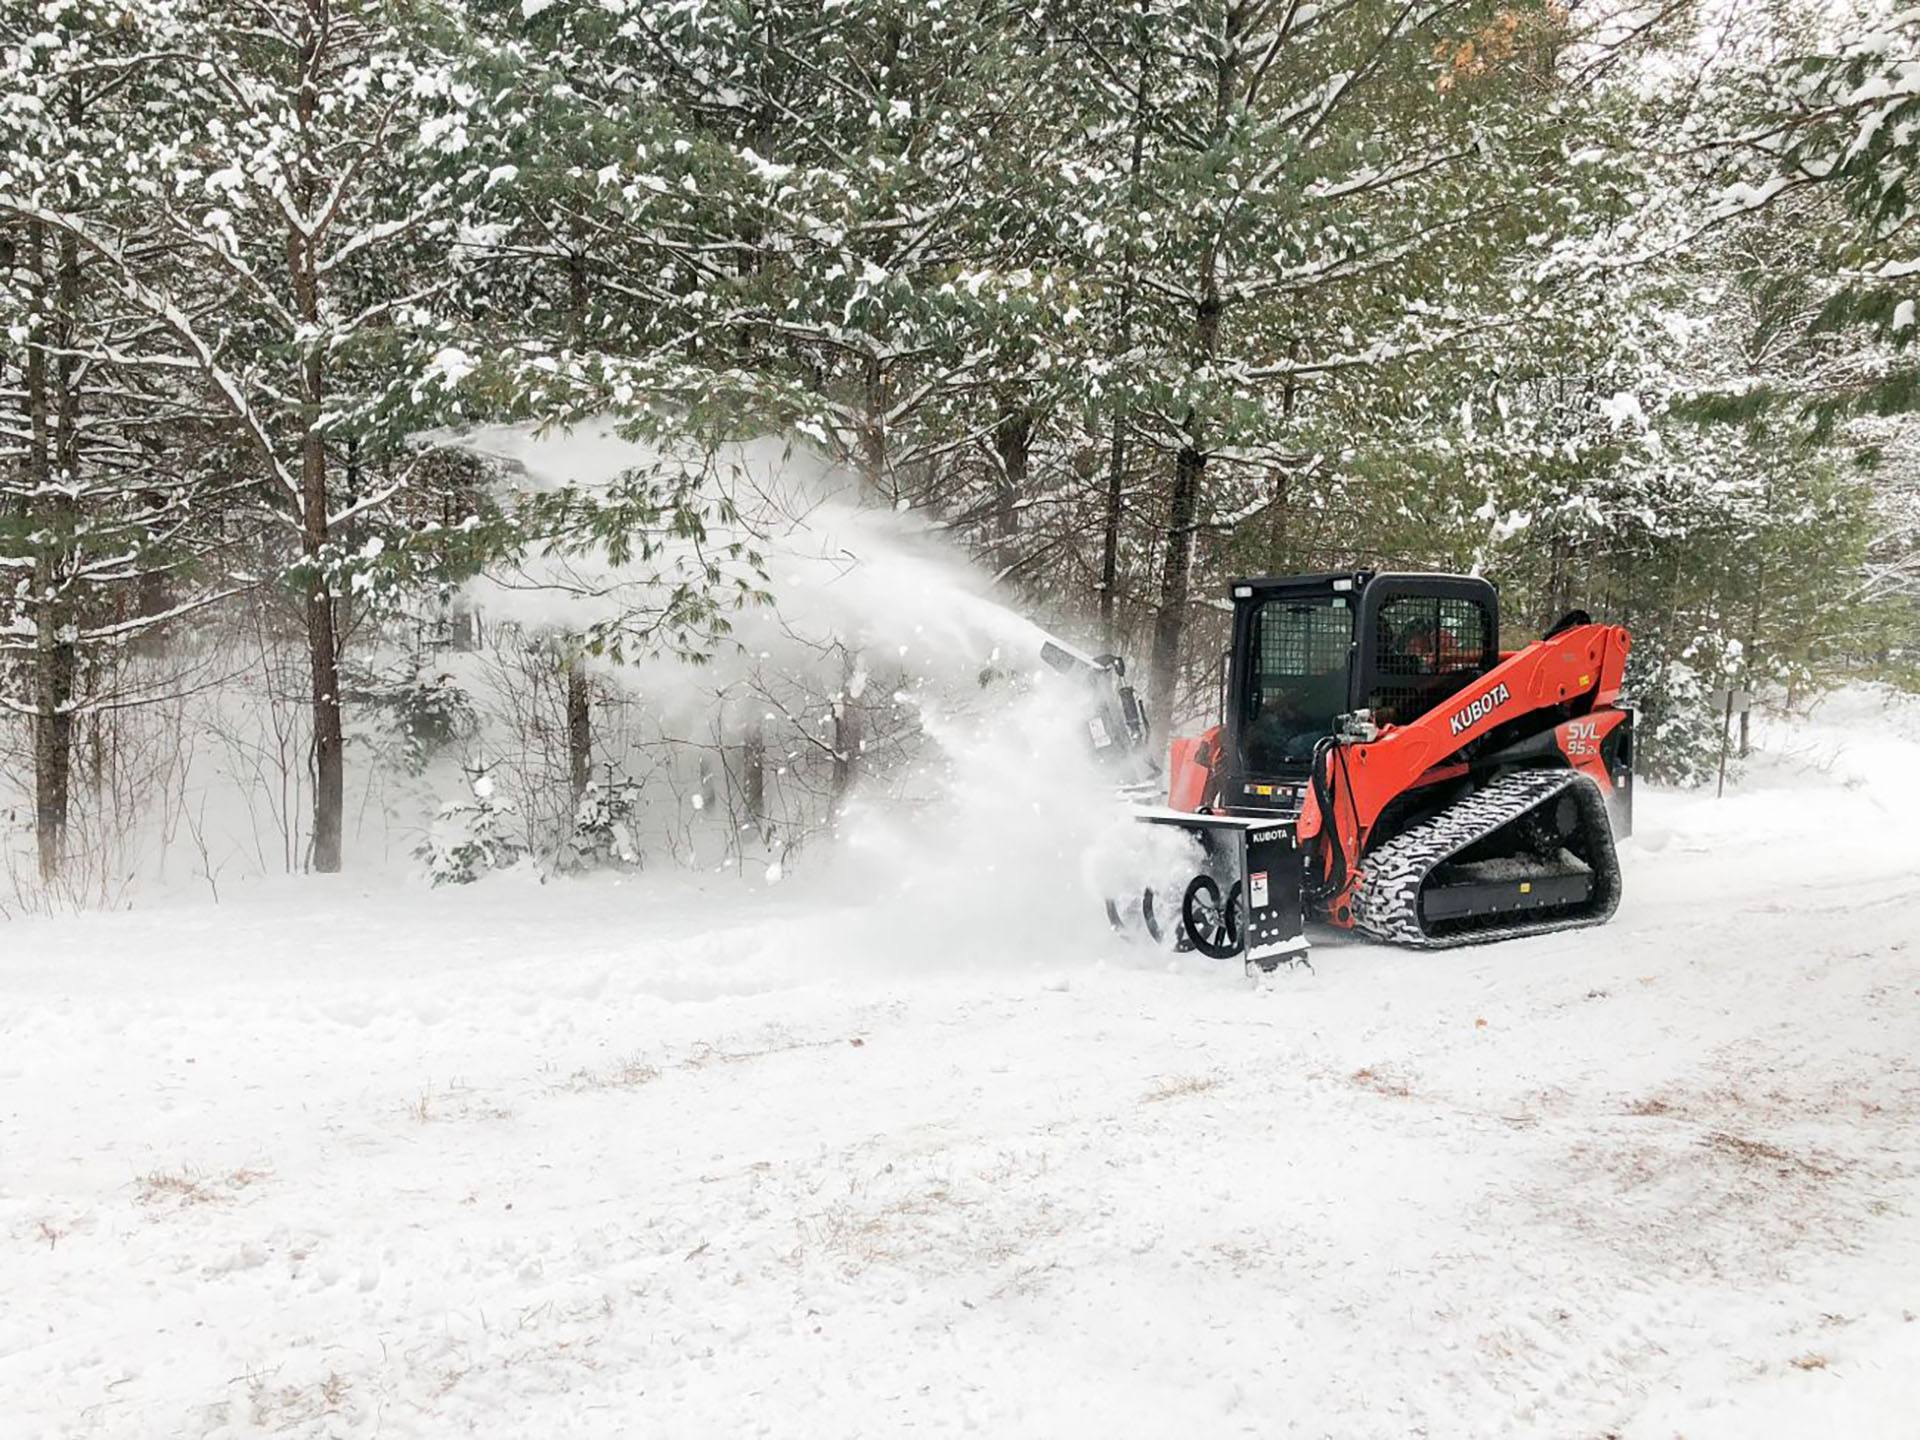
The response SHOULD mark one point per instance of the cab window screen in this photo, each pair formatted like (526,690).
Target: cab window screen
(1425,647)
(1299,679)
(1430,635)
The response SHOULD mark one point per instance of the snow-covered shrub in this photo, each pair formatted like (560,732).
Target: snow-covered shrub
(604,834)
(1678,740)
(422,712)
(472,836)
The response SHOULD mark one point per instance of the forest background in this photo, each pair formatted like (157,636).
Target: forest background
(1120,298)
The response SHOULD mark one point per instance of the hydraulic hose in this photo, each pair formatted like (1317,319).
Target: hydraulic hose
(1320,775)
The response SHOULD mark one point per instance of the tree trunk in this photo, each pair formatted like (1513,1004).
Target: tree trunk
(323,634)
(846,734)
(323,647)
(323,641)
(1559,552)
(1176,576)
(1282,482)
(1189,470)
(1117,447)
(1012,445)
(52,462)
(753,774)
(52,744)
(579,727)
(39,478)
(53,465)
(1750,651)
(153,595)
(1183,510)
(1277,526)
(873,429)
(1110,531)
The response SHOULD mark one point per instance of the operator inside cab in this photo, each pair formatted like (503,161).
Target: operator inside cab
(1413,649)
(1422,661)
(1294,718)
(1282,734)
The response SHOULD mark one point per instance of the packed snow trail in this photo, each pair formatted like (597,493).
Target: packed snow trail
(679,1159)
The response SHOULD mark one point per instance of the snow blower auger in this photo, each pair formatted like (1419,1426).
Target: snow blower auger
(1426,787)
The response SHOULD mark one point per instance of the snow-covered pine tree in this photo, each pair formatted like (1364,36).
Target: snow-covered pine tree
(1321,198)
(1815,138)
(110,528)
(299,168)
(784,219)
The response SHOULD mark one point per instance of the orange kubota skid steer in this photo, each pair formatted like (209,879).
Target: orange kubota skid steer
(1381,765)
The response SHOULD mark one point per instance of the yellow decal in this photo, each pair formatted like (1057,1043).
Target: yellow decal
(1526,887)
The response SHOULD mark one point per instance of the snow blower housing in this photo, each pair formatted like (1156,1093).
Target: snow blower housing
(1245,897)
(1431,789)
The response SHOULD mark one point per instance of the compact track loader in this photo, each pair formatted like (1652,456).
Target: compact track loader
(1381,765)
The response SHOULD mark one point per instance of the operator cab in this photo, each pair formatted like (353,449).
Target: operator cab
(1310,649)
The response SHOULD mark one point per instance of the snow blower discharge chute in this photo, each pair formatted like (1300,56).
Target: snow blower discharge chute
(1381,765)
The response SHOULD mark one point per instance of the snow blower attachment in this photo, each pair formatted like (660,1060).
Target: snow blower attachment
(1244,898)
(1243,895)
(1407,777)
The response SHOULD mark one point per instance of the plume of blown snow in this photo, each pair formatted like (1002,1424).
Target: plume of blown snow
(1008,833)
(1012,848)
(875,581)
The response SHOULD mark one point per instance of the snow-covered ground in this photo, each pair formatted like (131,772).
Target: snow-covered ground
(698,1157)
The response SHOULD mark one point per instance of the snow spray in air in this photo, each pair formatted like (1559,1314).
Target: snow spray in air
(1001,835)
(1009,852)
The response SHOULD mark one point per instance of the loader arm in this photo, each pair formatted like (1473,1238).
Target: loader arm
(1578,671)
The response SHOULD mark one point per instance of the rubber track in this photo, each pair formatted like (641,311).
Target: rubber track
(1386,903)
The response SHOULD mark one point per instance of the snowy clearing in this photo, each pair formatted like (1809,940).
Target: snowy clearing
(676,1157)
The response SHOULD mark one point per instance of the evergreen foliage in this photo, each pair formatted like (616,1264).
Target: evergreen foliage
(472,836)
(1131,294)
